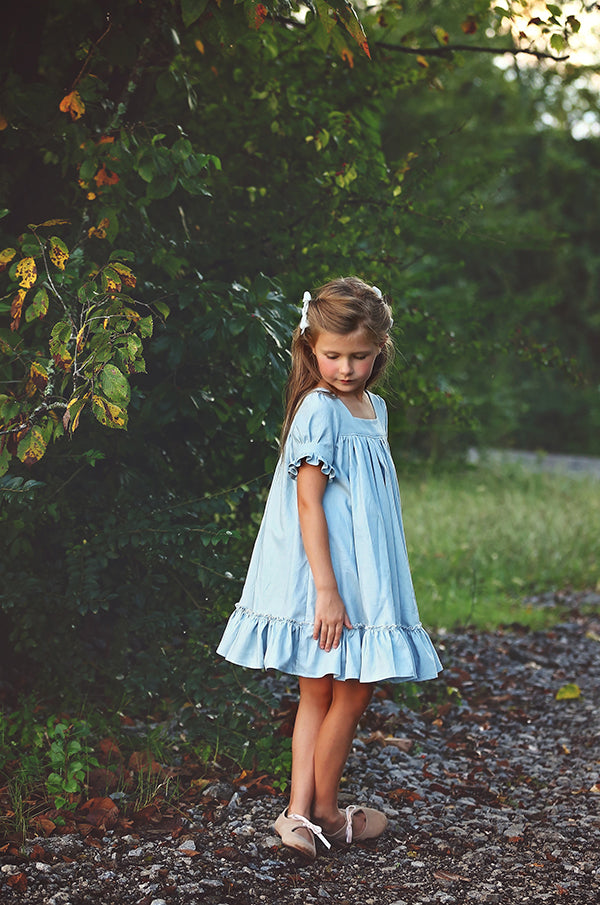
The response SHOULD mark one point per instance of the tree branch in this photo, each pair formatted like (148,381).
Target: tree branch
(439,51)
(472,48)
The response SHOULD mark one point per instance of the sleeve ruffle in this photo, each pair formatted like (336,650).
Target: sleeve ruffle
(312,437)
(311,457)
(366,653)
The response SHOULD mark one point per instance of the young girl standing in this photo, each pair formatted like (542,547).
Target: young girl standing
(328,596)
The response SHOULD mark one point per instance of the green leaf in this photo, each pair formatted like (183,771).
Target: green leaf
(39,306)
(145,326)
(558,42)
(192,10)
(115,385)
(5,458)
(120,254)
(163,309)
(553,9)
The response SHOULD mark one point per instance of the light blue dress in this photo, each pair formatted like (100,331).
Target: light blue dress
(272,625)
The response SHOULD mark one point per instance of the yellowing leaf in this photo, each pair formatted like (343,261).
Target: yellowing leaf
(38,379)
(75,406)
(6,257)
(109,414)
(127,277)
(199,45)
(72,103)
(59,253)
(64,360)
(47,223)
(32,447)
(422,61)
(26,272)
(110,280)
(79,343)
(3,122)
(569,692)
(99,232)
(16,309)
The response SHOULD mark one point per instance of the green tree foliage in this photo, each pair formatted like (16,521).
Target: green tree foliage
(243,152)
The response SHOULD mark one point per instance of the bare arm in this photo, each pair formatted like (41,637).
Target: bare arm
(330,612)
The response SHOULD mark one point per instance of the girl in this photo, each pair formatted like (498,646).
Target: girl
(328,596)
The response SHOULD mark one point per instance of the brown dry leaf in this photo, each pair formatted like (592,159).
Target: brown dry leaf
(404,795)
(38,853)
(143,762)
(42,825)
(200,784)
(18,882)
(108,751)
(403,744)
(105,177)
(449,877)
(101,812)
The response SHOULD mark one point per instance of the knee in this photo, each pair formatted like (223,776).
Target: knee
(317,693)
(354,696)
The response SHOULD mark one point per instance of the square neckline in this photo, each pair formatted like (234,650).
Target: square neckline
(335,396)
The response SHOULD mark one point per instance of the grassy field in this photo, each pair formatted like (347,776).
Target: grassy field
(481,539)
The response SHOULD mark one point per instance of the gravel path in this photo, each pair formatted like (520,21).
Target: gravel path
(497,800)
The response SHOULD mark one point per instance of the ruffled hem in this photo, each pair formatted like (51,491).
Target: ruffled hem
(311,458)
(367,653)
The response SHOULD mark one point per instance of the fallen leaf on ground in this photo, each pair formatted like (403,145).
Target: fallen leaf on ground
(403,744)
(448,877)
(42,825)
(568,692)
(101,812)
(18,882)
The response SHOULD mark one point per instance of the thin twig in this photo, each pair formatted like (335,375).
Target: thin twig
(471,48)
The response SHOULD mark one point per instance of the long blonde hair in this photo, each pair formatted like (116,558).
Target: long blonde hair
(340,306)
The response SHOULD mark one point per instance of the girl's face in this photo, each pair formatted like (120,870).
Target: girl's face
(345,360)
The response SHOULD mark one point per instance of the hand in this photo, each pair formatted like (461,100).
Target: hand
(330,619)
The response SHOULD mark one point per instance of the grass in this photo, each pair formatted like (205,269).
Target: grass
(483,538)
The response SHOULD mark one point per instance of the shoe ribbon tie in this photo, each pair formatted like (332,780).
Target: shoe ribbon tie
(349,814)
(317,830)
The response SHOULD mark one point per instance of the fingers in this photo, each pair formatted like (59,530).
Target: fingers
(330,634)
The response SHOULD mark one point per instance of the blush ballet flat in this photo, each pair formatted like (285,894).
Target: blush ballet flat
(375,824)
(287,827)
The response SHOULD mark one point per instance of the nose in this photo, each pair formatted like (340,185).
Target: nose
(346,366)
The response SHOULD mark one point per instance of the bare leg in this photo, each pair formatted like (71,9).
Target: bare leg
(315,700)
(349,701)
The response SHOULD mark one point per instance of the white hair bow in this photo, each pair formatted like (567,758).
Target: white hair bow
(306,300)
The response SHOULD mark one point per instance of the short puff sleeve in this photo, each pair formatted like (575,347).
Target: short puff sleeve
(312,435)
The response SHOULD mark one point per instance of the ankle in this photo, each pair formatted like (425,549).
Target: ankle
(328,817)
